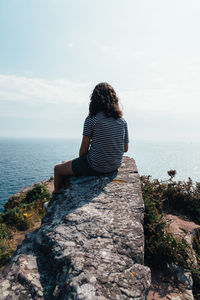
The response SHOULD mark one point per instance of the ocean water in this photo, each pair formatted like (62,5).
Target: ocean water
(24,162)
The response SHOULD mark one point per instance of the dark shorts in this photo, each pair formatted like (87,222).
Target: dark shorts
(81,167)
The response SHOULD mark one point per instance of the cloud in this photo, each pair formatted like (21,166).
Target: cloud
(40,107)
(171,99)
(163,110)
(38,90)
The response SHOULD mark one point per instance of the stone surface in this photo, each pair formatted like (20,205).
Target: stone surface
(90,244)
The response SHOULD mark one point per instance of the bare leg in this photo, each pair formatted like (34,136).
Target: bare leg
(60,171)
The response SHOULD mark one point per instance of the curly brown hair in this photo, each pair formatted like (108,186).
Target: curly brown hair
(104,98)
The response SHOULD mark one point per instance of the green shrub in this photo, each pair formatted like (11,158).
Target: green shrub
(39,192)
(14,201)
(196,271)
(6,251)
(5,232)
(28,209)
(21,212)
(5,244)
(16,217)
(1,217)
(183,197)
(161,247)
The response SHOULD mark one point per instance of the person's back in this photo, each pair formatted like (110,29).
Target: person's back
(104,141)
(108,137)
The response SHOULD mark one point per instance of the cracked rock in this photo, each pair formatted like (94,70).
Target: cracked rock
(90,244)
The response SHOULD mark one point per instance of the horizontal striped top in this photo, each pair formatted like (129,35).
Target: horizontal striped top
(108,136)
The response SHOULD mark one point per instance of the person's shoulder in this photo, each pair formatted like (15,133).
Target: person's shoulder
(90,119)
(123,120)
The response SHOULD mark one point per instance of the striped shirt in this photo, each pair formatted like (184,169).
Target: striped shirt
(108,136)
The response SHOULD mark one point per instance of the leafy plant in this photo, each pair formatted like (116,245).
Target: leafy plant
(5,232)
(161,246)
(196,271)
(21,212)
(6,251)
(39,192)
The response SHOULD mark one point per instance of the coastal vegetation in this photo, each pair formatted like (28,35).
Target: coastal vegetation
(162,247)
(22,212)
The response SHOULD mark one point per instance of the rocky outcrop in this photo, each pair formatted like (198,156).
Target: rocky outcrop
(90,244)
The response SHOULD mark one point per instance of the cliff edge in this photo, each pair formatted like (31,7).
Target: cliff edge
(90,244)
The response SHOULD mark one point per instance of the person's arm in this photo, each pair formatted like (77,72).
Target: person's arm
(125,147)
(84,145)
(126,138)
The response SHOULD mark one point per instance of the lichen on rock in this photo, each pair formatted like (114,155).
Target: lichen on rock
(90,244)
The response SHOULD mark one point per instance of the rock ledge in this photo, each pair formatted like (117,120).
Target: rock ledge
(90,244)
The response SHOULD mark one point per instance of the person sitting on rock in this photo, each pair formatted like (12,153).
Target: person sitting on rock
(104,141)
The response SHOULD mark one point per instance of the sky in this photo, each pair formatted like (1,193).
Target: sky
(54,52)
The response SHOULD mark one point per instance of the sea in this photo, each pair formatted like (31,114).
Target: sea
(24,162)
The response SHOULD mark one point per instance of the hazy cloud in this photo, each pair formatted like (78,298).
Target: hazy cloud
(169,111)
(39,90)
(170,99)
